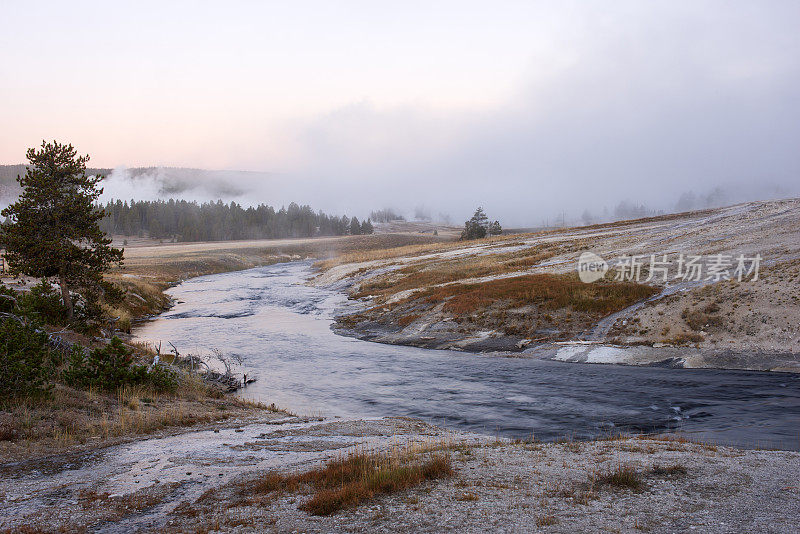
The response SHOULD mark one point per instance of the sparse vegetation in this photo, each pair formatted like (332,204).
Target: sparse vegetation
(546,520)
(407,319)
(547,290)
(669,470)
(349,481)
(621,477)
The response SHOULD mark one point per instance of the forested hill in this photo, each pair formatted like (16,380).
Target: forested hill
(217,221)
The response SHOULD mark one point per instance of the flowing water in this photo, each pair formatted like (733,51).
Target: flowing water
(281,328)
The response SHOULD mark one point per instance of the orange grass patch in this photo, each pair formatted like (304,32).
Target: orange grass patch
(552,291)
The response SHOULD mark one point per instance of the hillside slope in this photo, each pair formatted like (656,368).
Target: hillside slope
(522,292)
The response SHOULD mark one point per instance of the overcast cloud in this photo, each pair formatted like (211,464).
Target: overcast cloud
(530,109)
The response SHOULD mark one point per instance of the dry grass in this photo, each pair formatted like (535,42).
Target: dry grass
(74,417)
(621,477)
(439,271)
(359,478)
(685,339)
(512,239)
(547,290)
(441,245)
(546,520)
(668,470)
(349,481)
(407,319)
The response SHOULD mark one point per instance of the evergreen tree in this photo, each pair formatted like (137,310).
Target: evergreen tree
(366,227)
(495,228)
(355,227)
(53,229)
(477,226)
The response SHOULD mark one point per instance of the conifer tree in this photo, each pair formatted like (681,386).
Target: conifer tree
(53,229)
(477,226)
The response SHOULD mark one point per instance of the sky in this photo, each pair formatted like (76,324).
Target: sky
(529,108)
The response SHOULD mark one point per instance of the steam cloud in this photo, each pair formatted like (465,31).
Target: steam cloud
(664,105)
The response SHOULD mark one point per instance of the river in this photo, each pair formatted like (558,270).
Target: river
(280,327)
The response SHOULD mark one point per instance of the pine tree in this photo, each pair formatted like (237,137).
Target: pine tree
(495,228)
(366,227)
(355,227)
(477,226)
(53,229)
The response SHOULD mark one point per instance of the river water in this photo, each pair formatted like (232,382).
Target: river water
(281,328)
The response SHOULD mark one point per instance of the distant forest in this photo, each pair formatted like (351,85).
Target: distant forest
(181,220)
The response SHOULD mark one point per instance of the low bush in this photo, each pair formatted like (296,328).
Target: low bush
(41,303)
(27,366)
(44,302)
(113,366)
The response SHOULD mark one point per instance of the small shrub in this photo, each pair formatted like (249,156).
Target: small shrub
(113,366)
(26,363)
(41,303)
(686,338)
(162,378)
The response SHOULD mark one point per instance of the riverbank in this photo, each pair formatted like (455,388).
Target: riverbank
(521,293)
(150,268)
(230,476)
(215,480)
(76,419)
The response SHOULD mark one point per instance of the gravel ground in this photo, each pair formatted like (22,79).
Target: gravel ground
(498,485)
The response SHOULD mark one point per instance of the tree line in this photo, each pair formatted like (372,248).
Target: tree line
(182,220)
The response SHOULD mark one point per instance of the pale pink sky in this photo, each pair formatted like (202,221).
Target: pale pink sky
(509,103)
(232,83)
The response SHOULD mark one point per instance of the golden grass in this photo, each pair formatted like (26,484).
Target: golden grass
(72,416)
(552,291)
(437,271)
(349,481)
(358,478)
